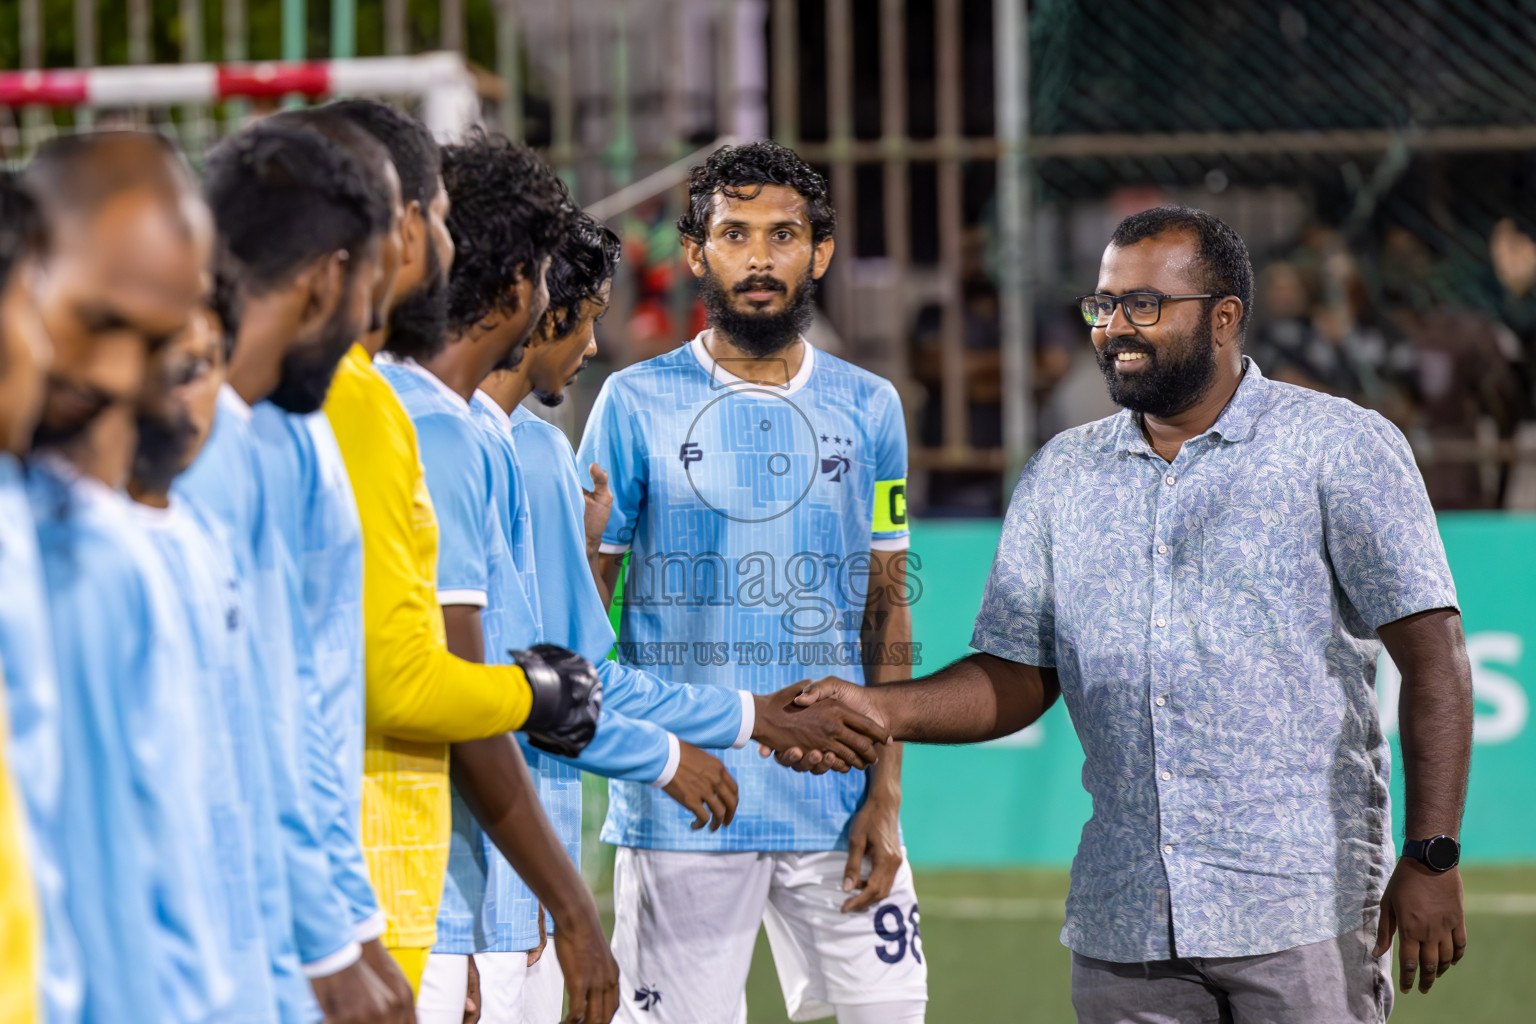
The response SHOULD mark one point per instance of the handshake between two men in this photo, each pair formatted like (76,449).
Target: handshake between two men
(804,733)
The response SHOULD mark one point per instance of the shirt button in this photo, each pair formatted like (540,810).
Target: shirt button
(1167,776)
(1162,549)
(1168,851)
(1168,479)
(1161,623)
(1161,701)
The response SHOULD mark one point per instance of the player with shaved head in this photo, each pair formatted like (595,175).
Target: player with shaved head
(131,244)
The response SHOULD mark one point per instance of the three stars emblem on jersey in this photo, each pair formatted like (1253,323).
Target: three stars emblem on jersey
(837,463)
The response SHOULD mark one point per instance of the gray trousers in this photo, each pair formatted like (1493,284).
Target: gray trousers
(1332,982)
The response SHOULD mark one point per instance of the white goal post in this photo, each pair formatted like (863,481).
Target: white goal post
(449,104)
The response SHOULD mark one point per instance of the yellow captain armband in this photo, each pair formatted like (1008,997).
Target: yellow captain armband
(890,505)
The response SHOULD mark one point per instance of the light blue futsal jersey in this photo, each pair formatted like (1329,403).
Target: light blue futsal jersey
(226,486)
(316,514)
(136,851)
(623,746)
(226,735)
(35,746)
(473,569)
(749,512)
(486,907)
(574,613)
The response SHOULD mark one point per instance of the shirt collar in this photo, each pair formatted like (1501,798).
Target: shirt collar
(726,379)
(1235,424)
(230,399)
(492,408)
(427,375)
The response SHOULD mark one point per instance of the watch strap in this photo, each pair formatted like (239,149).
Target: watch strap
(1418,849)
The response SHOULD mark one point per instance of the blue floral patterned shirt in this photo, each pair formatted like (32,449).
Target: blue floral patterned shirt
(1213,624)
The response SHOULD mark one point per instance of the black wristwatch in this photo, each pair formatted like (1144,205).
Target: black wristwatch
(1438,853)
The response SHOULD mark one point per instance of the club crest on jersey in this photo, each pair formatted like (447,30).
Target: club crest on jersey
(837,463)
(648,997)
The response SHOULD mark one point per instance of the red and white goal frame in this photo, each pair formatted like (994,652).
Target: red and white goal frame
(442,82)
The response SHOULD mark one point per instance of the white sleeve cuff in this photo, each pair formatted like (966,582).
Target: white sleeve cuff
(890,543)
(674,758)
(333,963)
(612,549)
(370,927)
(748,719)
(474,598)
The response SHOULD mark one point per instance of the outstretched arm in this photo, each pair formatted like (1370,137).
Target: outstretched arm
(978,698)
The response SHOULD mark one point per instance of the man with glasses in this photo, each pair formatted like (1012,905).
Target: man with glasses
(1208,578)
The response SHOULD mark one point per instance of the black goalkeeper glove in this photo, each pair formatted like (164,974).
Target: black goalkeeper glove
(567,696)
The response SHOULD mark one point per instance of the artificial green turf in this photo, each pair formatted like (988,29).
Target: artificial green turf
(983,970)
(1016,971)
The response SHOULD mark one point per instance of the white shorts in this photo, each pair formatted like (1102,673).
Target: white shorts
(511,992)
(685,924)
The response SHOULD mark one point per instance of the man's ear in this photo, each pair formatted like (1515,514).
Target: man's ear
(821,257)
(1227,320)
(324,281)
(693,251)
(413,228)
(521,290)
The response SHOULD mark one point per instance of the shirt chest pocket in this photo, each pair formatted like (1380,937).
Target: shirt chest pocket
(1248,572)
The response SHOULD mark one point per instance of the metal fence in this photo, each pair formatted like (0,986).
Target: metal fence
(1376,155)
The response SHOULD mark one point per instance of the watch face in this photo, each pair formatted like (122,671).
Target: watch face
(1442,853)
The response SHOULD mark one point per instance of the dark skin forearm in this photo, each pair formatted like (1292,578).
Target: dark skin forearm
(1421,910)
(606,575)
(493,778)
(1435,719)
(980,697)
(885,635)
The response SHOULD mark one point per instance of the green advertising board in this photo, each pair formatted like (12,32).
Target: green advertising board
(1020,800)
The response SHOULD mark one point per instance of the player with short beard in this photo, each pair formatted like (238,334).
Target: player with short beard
(749,446)
(301,226)
(316,515)
(131,242)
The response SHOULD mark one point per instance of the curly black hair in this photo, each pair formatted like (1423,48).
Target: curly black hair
(1220,250)
(417,158)
(740,172)
(588,257)
(509,211)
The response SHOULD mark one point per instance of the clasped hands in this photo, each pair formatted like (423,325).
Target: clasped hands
(821,726)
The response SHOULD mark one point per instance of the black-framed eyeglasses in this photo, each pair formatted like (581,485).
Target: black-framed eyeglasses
(1142,309)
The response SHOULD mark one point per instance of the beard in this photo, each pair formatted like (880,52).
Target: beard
(308,369)
(418,325)
(51,432)
(162,451)
(514,357)
(759,334)
(554,398)
(1174,379)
